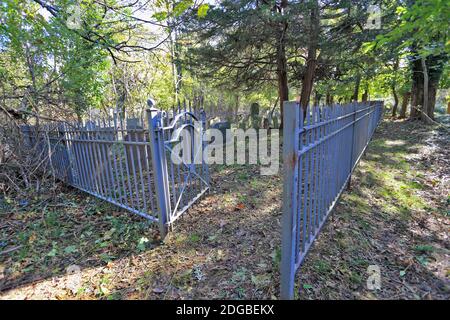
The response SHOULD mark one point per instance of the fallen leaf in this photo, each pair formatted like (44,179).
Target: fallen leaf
(32,238)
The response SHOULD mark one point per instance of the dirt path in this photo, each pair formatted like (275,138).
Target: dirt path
(396,216)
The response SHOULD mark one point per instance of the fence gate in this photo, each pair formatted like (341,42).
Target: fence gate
(128,162)
(181,173)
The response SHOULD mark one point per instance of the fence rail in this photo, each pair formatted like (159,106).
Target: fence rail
(321,148)
(126,162)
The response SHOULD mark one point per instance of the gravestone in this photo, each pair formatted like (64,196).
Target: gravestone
(106,133)
(254,116)
(133,123)
(222,126)
(276,120)
(136,154)
(213,121)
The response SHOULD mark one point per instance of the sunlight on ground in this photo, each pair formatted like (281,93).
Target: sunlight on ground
(395,142)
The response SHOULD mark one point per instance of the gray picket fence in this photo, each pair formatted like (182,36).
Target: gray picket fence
(126,162)
(321,148)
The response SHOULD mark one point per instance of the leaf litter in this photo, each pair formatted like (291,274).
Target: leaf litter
(228,244)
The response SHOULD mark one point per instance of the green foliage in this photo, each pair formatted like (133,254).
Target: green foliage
(203,10)
(141,246)
(224,52)
(95,66)
(181,7)
(52,60)
(424,23)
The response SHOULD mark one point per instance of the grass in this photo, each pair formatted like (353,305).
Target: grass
(390,218)
(322,266)
(397,185)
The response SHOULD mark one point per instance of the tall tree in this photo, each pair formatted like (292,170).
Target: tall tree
(246,41)
(422,30)
(311,60)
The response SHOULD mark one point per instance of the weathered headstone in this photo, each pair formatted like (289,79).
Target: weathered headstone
(213,121)
(254,116)
(276,120)
(222,126)
(266,121)
(135,154)
(90,125)
(133,123)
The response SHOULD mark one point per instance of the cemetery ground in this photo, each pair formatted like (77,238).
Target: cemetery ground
(396,216)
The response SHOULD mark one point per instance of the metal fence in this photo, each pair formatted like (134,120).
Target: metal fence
(321,148)
(180,182)
(126,162)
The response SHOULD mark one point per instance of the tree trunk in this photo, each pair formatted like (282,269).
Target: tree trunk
(416,89)
(174,45)
(174,66)
(394,108)
(365,95)
(236,107)
(356,92)
(317,98)
(424,114)
(311,63)
(431,100)
(329,99)
(435,66)
(404,106)
(394,90)
(416,100)
(283,89)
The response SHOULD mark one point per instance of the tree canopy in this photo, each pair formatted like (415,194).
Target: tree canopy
(64,57)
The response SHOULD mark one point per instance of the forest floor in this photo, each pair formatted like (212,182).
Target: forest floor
(395,216)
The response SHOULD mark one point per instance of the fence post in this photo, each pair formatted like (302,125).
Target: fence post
(159,169)
(291,124)
(204,145)
(355,108)
(69,173)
